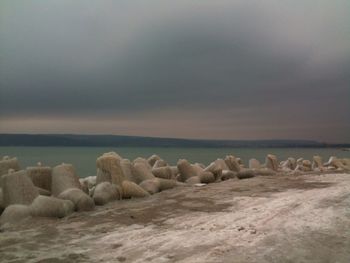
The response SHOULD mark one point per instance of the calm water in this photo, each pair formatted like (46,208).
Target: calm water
(84,158)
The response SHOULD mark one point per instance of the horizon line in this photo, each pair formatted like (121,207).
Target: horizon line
(173,138)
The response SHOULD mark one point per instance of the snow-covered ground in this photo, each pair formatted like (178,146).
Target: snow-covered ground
(263,219)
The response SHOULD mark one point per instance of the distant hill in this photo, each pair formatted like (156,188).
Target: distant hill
(136,141)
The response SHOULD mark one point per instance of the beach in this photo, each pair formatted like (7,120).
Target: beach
(280,218)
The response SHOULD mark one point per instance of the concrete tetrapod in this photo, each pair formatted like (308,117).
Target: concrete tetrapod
(148,181)
(47,206)
(106,192)
(81,201)
(14,214)
(18,189)
(40,176)
(64,177)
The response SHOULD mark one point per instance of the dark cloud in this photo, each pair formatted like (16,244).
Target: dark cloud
(247,70)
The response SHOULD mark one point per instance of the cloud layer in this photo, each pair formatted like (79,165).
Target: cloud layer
(206,69)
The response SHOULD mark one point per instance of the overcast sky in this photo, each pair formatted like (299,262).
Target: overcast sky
(192,69)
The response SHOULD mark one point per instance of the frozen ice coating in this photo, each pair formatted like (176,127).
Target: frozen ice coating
(7,164)
(133,190)
(271,162)
(254,164)
(15,213)
(163,172)
(56,192)
(109,167)
(105,192)
(81,201)
(49,206)
(40,176)
(64,177)
(18,188)
(186,170)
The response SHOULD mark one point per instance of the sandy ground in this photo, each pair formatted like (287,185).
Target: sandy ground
(263,219)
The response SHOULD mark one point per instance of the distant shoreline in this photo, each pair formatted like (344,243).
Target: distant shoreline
(69,140)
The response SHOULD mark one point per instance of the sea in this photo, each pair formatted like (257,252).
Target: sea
(84,158)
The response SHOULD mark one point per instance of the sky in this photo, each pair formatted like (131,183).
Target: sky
(187,69)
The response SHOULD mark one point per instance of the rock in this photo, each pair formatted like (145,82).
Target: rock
(232,163)
(47,206)
(18,189)
(254,164)
(81,201)
(109,169)
(271,162)
(162,172)
(130,190)
(40,176)
(14,214)
(106,192)
(64,177)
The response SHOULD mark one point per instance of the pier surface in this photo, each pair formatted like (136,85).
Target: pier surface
(302,218)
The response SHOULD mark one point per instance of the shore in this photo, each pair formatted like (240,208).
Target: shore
(303,218)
